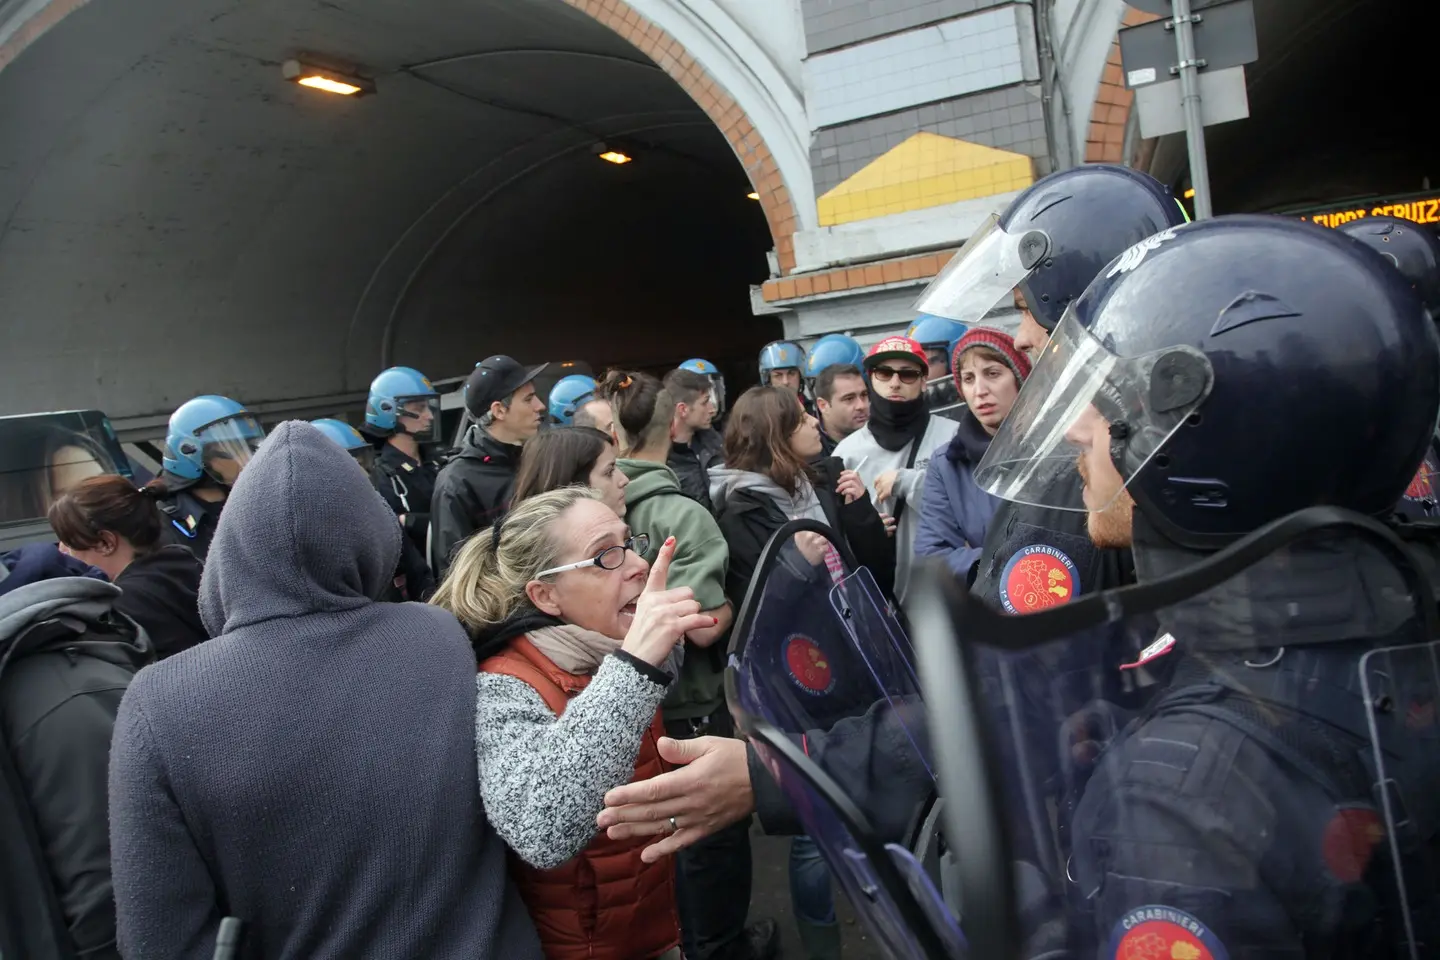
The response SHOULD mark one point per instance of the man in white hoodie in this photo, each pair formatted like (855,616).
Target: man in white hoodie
(894,447)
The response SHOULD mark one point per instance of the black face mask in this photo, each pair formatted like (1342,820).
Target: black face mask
(894,423)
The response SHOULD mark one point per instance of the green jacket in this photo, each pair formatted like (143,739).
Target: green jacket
(655,506)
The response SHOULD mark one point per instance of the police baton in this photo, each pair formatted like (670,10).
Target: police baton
(228,940)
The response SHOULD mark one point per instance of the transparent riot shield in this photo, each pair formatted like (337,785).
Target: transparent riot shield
(1277,794)
(822,679)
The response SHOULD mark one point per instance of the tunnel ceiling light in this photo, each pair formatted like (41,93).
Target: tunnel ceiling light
(323,78)
(1190,194)
(753,195)
(612,152)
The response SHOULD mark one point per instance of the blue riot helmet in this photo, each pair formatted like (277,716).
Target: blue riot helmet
(1410,247)
(570,394)
(780,355)
(937,334)
(717,380)
(210,436)
(349,439)
(833,349)
(1051,241)
(403,401)
(1235,370)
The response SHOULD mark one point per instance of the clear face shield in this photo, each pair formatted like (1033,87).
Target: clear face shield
(227,445)
(984,273)
(1083,407)
(717,393)
(419,417)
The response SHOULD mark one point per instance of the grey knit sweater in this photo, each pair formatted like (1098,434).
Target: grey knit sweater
(311,769)
(544,778)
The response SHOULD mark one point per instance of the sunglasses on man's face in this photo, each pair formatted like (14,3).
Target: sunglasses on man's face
(908,375)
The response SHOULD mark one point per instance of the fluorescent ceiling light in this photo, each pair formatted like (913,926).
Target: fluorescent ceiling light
(330,81)
(753,196)
(615,156)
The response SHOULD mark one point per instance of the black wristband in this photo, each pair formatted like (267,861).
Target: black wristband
(647,670)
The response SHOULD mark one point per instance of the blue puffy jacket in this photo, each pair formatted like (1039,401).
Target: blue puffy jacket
(954,512)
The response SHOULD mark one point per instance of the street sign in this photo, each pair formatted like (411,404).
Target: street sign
(1147,65)
(1161,109)
(1224,37)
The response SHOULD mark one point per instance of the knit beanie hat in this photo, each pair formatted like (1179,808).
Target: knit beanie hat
(1000,342)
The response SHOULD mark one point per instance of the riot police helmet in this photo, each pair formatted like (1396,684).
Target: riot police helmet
(1413,249)
(1051,241)
(209,437)
(349,439)
(1228,373)
(570,394)
(402,400)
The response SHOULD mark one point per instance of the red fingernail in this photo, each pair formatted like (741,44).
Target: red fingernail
(669,541)
(714,621)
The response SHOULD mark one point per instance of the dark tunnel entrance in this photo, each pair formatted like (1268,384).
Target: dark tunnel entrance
(177,218)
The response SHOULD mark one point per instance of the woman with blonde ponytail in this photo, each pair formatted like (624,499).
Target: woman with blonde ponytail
(577,640)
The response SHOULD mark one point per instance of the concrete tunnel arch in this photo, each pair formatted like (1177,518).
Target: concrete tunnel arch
(760,118)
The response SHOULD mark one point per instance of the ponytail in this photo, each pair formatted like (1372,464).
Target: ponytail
(644,410)
(486,582)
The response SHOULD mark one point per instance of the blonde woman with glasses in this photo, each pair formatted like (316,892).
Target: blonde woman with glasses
(577,641)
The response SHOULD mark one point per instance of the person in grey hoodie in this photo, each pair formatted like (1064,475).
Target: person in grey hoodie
(310,770)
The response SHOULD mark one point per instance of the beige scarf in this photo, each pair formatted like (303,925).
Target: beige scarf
(580,651)
(573,649)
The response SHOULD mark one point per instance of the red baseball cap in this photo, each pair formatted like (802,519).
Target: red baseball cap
(896,348)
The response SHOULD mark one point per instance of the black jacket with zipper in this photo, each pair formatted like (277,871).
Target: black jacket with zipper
(471,493)
(748,520)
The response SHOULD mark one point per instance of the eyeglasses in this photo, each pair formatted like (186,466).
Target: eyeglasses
(908,375)
(611,558)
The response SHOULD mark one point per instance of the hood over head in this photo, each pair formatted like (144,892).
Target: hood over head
(40,561)
(85,603)
(304,531)
(727,481)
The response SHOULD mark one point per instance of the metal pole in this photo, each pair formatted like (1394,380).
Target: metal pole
(1189,69)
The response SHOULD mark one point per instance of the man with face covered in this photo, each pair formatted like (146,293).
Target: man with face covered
(892,450)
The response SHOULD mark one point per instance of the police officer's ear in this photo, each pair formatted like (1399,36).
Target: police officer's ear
(542,596)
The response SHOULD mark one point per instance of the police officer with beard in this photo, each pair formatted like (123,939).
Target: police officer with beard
(1044,250)
(1277,797)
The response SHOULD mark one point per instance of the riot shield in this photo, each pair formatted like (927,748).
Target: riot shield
(822,680)
(1277,795)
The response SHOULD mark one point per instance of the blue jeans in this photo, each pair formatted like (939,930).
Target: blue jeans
(810,891)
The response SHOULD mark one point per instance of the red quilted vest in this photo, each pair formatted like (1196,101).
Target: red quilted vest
(605,903)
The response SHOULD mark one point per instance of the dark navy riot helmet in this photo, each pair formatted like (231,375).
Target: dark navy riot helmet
(1051,241)
(1236,370)
(1410,247)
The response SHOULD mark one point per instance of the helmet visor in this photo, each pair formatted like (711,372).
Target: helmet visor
(1086,414)
(419,416)
(985,271)
(227,445)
